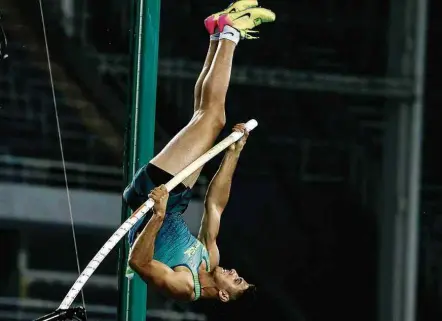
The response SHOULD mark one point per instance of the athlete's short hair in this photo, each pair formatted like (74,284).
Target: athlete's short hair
(249,294)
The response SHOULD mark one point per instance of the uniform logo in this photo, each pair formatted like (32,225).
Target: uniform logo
(191,250)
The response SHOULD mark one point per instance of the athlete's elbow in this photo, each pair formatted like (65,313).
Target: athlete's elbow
(139,267)
(136,263)
(143,269)
(210,237)
(215,205)
(133,263)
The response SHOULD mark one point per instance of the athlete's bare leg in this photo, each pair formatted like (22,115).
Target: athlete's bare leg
(208,120)
(213,45)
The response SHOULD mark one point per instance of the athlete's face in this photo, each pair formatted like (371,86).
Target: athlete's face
(231,285)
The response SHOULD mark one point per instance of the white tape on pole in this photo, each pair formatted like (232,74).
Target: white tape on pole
(142,210)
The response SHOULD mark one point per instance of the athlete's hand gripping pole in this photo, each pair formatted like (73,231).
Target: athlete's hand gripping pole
(143,209)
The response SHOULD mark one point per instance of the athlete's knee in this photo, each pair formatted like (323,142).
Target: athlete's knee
(213,117)
(221,120)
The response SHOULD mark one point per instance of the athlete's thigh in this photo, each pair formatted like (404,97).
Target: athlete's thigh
(191,180)
(190,143)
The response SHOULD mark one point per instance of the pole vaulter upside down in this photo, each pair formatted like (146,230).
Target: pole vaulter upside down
(163,251)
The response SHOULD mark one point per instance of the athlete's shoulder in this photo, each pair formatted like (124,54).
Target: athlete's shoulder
(183,286)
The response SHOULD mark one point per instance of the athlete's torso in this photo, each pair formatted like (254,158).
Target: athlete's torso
(175,246)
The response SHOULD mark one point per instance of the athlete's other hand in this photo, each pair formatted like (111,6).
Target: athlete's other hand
(159,195)
(239,145)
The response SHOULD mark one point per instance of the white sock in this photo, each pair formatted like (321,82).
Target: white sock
(215,36)
(231,34)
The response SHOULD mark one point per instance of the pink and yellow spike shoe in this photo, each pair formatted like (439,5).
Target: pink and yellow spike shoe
(244,21)
(212,22)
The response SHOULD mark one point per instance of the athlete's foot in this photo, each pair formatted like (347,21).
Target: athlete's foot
(211,22)
(244,21)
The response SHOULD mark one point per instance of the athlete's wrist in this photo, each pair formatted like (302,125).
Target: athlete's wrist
(159,215)
(236,152)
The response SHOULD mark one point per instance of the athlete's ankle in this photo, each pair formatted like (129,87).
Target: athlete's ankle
(230,33)
(215,37)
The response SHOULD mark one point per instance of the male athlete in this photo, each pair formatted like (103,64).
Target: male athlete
(163,251)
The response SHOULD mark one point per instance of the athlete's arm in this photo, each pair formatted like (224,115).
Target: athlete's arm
(175,284)
(218,195)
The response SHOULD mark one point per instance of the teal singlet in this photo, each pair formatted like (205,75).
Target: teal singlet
(176,246)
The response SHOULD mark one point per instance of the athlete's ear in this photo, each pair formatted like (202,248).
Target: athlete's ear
(223,296)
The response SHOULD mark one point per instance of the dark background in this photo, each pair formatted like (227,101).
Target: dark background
(303,222)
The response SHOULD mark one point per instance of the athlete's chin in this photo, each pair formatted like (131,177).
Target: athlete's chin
(219,270)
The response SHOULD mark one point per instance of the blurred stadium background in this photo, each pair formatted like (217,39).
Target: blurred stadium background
(332,85)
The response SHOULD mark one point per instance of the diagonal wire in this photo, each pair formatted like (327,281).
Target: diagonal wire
(61,143)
